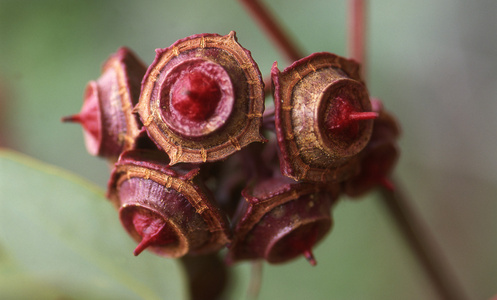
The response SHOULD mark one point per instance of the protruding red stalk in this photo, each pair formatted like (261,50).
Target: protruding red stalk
(387,183)
(147,240)
(342,119)
(366,115)
(357,32)
(90,118)
(153,230)
(74,118)
(273,28)
(310,257)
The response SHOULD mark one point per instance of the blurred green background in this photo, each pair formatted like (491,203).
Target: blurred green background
(432,62)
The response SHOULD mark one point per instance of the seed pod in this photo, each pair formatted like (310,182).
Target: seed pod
(322,117)
(165,209)
(280,220)
(202,98)
(378,159)
(109,125)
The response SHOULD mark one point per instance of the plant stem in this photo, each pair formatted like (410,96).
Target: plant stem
(357,21)
(255,280)
(423,244)
(268,119)
(273,28)
(407,219)
(207,276)
(267,87)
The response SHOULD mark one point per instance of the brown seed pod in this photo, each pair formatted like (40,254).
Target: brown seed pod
(280,220)
(202,98)
(109,126)
(378,159)
(322,117)
(165,209)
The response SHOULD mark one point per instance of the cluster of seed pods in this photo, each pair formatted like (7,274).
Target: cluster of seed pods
(198,165)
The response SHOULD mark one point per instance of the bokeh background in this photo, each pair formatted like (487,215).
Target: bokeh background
(432,62)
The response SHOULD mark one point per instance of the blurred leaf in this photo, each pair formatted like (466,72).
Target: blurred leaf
(60,238)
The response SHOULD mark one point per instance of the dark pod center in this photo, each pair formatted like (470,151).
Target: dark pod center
(90,118)
(299,241)
(195,96)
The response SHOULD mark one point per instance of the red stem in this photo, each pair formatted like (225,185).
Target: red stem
(423,244)
(208,277)
(408,221)
(273,28)
(357,32)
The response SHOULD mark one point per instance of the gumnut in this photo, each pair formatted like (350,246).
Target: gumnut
(109,126)
(323,117)
(280,220)
(165,209)
(202,99)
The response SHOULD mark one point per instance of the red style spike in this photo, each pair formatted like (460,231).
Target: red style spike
(310,257)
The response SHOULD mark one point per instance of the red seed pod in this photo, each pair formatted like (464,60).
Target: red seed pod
(378,159)
(322,117)
(165,209)
(280,220)
(109,126)
(202,98)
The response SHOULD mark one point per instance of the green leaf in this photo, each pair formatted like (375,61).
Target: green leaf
(61,238)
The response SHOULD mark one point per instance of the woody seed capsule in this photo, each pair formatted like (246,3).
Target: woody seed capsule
(281,220)
(165,209)
(202,99)
(109,126)
(322,117)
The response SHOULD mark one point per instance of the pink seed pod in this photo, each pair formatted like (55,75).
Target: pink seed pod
(202,99)
(109,126)
(281,220)
(166,209)
(378,159)
(323,117)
